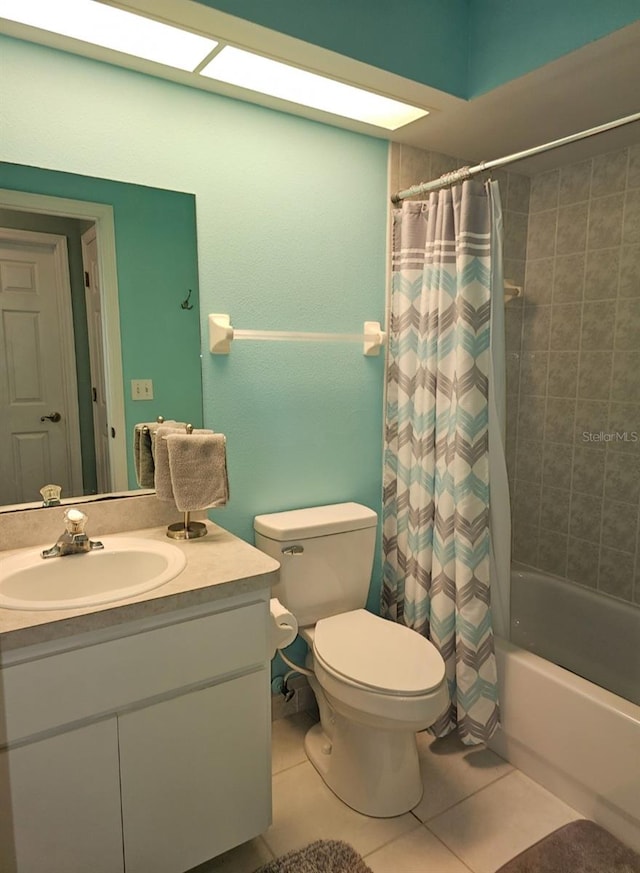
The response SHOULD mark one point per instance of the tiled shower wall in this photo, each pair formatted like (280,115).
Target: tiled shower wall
(574,377)
(572,239)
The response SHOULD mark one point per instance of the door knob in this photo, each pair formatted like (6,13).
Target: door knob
(55,416)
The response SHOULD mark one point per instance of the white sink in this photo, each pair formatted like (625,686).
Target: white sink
(126,567)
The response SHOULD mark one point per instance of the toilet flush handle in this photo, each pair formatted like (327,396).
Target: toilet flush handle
(292,550)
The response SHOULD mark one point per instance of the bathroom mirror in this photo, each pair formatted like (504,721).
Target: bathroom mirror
(121,342)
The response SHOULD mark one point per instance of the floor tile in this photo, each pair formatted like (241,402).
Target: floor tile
(243,859)
(287,741)
(417,851)
(304,810)
(452,771)
(499,821)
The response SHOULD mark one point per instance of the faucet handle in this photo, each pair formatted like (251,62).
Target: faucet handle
(75,520)
(51,495)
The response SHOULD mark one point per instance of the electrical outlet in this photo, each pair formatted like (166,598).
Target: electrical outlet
(142,389)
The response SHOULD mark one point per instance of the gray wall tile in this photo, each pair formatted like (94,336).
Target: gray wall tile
(631,228)
(594,377)
(585,519)
(622,478)
(541,239)
(563,374)
(552,552)
(571,233)
(609,173)
(575,181)
(584,337)
(565,326)
(554,510)
(627,332)
(538,282)
(574,480)
(582,562)
(619,525)
(626,376)
(556,465)
(518,193)
(588,471)
(544,191)
(568,278)
(629,285)
(598,325)
(633,172)
(615,573)
(601,274)
(605,222)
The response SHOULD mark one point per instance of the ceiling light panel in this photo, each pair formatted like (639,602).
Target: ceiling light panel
(266,76)
(112,28)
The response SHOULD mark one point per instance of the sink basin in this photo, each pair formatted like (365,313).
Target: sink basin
(126,567)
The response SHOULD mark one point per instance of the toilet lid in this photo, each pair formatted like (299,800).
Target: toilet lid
(378,654)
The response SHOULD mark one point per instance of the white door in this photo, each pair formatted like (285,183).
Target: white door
(38,391)
(96,357)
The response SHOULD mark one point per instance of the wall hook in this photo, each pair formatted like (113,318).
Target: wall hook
(185,302)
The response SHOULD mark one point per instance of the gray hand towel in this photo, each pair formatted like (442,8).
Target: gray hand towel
(144,439)
(162,477)
(143,452)
(198,466)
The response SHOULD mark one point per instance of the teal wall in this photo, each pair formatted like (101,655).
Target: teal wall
(157,265)
(291,228)
(463,47)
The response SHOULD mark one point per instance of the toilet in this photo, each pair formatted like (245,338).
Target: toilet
(376,682)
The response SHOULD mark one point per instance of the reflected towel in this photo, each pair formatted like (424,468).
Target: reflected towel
(198,468)
(144,440)
(143,455)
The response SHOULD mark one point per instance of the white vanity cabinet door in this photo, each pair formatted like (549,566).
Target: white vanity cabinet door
(195,773)
(64,810)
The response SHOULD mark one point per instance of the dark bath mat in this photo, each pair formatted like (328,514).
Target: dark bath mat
(579,847)
(323,856)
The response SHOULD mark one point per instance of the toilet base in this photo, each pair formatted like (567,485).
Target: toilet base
(374,771)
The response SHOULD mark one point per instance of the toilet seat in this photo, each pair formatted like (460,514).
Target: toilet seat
(371,653)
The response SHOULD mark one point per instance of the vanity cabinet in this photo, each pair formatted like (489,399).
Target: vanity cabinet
(142,748)
(60,803)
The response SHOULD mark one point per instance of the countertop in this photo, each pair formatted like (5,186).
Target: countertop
(219,565)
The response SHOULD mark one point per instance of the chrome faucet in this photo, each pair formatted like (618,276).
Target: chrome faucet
(51,495)
(74,540)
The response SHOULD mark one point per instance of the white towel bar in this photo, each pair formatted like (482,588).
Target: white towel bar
(221,334)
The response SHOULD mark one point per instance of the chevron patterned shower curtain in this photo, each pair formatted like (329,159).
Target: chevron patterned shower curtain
(436,477)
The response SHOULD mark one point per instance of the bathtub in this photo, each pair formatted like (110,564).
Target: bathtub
(578,740)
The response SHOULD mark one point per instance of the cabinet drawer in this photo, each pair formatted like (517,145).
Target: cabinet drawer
(107,677)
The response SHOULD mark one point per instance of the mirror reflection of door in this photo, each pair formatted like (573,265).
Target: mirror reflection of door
(38,390)
(93,300)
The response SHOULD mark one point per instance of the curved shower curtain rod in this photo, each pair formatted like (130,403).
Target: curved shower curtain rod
(467,172)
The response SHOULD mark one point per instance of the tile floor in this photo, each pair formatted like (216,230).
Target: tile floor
(477,812)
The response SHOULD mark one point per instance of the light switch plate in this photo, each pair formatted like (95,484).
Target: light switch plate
(142,389)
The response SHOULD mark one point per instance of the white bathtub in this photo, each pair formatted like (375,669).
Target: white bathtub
(578,740)
(591,634)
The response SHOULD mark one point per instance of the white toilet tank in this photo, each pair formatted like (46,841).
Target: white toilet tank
(326,557)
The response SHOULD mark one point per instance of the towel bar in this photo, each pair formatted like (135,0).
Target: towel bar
(221,334)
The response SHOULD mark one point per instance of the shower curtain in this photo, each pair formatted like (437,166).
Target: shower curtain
(436,537)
